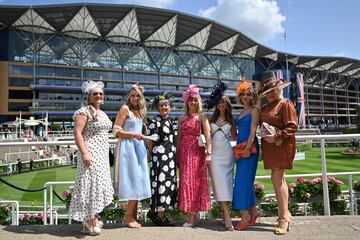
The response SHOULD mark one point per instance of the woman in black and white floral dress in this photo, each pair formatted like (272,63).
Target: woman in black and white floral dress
(163,167)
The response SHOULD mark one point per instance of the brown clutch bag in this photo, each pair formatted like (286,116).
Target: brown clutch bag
(240,147)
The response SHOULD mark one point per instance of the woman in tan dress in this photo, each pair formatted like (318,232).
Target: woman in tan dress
(278,147)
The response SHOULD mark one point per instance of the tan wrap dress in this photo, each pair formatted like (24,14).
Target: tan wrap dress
(282,115)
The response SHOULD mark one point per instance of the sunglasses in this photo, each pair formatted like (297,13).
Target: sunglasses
(97,93)
(245,94)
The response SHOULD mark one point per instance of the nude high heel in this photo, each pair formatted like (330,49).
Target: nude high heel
(283,228)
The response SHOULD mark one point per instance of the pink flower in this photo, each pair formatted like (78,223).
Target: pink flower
(259,186)
(316,180)
(300,180)
(292,189)
(26,216)
(292,185)
(35,215)
(338,182)
(65,194)
(331,178)
(41,216)
(7,209)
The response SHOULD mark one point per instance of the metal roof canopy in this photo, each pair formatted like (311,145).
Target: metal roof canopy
(107,16)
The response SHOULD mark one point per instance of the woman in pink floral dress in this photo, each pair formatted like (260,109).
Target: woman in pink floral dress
(193,159)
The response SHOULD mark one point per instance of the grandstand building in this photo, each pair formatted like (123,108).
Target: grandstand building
(47,51)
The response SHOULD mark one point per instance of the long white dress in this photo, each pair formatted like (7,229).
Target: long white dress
(93,189)
(222,164)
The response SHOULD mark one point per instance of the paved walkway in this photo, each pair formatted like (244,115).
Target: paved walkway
(314,228)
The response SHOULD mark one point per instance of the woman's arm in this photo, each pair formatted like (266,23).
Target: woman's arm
(255,114)
(207,132)
(288,112)
(178,137)
(119,123)
(79,126)
(233,131)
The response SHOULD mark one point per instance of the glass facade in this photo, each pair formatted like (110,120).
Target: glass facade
(164,52)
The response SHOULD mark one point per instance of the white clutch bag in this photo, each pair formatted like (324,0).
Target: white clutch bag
(201,140)
(267,129)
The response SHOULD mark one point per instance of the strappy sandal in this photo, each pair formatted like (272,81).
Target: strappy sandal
(253,219)
(283,228)
(242,225)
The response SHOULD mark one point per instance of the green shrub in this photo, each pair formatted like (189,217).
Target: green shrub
(304,147)
(356,186)
(336,207)
(351,130)
(5,215)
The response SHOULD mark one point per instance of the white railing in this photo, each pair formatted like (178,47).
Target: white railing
(322,139)
(14,211)
(349,174)
(50,186)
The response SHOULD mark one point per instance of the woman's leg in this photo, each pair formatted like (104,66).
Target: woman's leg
(281,191)
(226,216)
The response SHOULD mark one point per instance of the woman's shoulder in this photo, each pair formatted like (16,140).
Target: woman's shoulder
(81,111)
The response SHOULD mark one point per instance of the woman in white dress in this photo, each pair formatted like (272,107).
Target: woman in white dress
(221,168)
(93,189)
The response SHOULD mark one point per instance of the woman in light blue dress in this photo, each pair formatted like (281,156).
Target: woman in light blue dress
(244,194)
(132,182)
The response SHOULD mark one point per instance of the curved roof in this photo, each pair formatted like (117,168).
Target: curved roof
(158,28)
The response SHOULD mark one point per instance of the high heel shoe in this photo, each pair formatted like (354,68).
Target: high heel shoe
(92,230)
(242,225)
(100,223)
(289,218)
(193,220)
(283,228)
(131,223)
(253,219)
(228,224)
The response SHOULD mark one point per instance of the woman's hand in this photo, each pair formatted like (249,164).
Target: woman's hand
(269,138)
(139,136)
(86,159)
(208,159)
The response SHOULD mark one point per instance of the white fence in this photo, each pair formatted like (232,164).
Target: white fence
(324,173)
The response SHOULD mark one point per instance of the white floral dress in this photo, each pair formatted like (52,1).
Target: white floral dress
(93,189)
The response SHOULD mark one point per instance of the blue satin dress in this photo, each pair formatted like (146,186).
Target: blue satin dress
(244,195)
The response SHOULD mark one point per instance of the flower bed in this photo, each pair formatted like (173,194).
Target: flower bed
(5,215)
(304,190)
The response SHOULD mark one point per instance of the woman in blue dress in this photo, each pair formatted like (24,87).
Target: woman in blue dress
(244,194)
(132,181)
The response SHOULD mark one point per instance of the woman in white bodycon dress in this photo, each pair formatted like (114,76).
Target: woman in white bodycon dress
(221,168)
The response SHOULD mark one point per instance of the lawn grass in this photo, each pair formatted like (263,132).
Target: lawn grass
(312,164)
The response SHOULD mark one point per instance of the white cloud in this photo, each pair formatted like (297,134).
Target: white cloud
(259,19)
(150,3)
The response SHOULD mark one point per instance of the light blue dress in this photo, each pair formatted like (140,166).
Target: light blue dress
(244,195)
(132,181)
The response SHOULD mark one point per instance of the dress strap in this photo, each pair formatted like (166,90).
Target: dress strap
(221,130)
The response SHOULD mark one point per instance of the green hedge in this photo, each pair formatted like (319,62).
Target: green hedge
(351,130)
(304,147)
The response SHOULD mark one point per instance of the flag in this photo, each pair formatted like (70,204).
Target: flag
(300,106)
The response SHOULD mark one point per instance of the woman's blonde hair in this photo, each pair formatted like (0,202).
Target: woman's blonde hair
(142,101)
(254,97)
(199,110)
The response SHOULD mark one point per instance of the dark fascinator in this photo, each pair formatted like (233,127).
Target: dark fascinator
(216,95)
(159,98)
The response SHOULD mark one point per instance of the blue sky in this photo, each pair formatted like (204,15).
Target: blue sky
(313,27)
